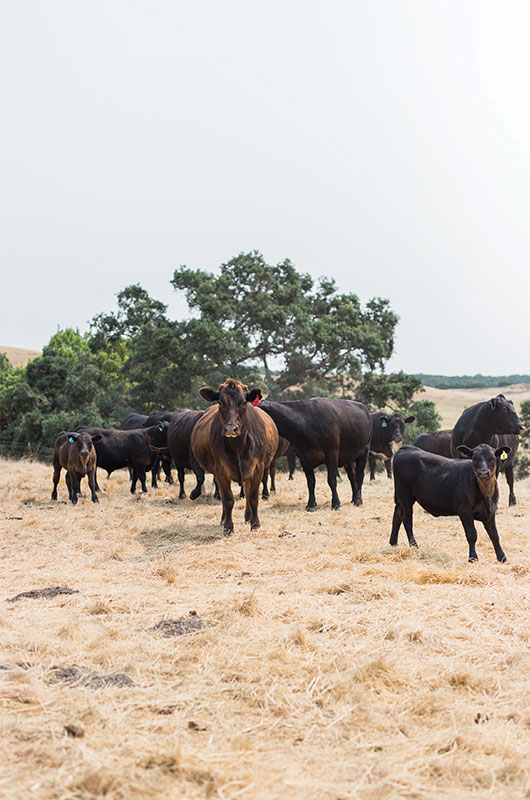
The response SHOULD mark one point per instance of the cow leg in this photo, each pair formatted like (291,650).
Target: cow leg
(360,465)
(56,476)
(154,472)
(216,495)
(471,535)
(96,479)
(350,472)
(372,463)
(92,484)
(491,528)
(199,474)
(407,523)
(225,490)
(166,466)
(310,477)
(265,494)
(134,477)
(397,519)
(72,494)
(272,473)
(181,473)
(388,465)
(291,462)
(332,466)
(252,495)
(142,476)
(509,480)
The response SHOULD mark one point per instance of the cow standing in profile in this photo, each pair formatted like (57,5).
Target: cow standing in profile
(235,441)
(387,428)
(75,453)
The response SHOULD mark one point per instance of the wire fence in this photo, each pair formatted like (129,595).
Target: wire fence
(27,450)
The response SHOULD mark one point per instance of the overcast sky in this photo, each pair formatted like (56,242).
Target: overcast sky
(385,143)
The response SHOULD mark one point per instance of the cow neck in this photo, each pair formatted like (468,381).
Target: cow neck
(487,488)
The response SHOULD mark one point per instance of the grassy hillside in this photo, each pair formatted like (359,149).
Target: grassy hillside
(451,402)
(329,666)
(18,356)
(470,381)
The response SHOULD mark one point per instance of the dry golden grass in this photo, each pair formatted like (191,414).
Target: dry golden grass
(18,356)
(330,665)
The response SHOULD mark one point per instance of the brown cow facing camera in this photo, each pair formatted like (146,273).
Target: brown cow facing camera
(236,441)
(75,453)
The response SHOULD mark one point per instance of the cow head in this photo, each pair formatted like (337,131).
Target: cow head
(82,442)
(485,459)
(393,426)
(232,397)
(503,416)
(156,435)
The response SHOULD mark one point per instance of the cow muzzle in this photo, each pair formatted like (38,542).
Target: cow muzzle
(484,474)
(231,431)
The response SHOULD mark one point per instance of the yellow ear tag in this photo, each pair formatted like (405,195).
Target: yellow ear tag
(504,455)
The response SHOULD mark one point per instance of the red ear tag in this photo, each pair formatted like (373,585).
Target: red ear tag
(255,402)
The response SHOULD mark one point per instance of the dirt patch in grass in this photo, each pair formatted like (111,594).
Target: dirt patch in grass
(178,627)
(75,675)
(37,594)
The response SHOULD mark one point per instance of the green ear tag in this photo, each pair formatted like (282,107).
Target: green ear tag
(384,423)
(504,455)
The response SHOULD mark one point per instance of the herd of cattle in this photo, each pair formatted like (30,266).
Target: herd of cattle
(240,437)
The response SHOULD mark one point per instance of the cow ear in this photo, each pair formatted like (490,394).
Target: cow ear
(254,394)
(408,420)
(464,452)
(97,437)
(503,452)
(209,394)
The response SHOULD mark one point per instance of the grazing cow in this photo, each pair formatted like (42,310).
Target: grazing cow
(484,423)
(438,442)
(336,433)
(179,444)
(283,447)
(465,487)
(75,453)
(386,429)
(237,442)
(135,449)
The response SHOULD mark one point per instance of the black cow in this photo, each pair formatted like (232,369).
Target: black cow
(336,433)
(386,429)
(179,444)
(75,453)
(133,422)
(135,449)
(438,442)
(164,460)
(465,487)
(485,423)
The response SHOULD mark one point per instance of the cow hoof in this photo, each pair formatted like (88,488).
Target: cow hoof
(357,502)
(228,531)
(182,496)
(335,507)
(194,495)
(473,559)
(512,501)
(95,499)
(254,526)
(502,558)
(265,497)
(414,543)
(310,508)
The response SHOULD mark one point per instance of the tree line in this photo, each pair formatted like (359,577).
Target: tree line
(266,324)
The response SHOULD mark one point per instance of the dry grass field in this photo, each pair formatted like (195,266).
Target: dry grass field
(327,664)
(18,356)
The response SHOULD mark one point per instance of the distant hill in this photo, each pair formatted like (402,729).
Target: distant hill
(470,381)
(18,356)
